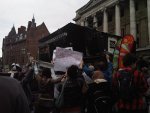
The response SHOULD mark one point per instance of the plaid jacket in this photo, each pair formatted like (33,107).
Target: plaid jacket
(141,84)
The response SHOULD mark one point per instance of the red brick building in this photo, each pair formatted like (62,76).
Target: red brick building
(16,46)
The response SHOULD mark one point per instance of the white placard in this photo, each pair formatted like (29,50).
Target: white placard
(54,52)
(111,44)
(65,58)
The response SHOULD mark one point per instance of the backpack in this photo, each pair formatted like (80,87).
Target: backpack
(102,104)
(126,86)
(73,93)
(102,100)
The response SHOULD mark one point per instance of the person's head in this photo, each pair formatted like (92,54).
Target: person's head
(73,71)
(129,60)
(18,68)
(13,64)
(142,65)
(46,72)
(101,65)
(97,75)
(13,67)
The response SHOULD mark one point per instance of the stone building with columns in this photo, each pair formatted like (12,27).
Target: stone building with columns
(119,17)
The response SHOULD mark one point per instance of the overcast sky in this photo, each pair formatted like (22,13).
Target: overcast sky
(55,14)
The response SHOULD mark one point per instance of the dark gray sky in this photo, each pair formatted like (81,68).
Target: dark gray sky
(55,13)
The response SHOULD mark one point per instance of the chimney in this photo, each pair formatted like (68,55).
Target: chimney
(29,25)
(22,29)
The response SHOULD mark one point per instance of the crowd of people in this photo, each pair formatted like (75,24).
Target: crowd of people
(88,88)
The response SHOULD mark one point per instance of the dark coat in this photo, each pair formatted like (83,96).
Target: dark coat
(95,91)
(26,85)
(12,96)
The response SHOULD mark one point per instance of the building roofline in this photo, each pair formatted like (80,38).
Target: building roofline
(87,7)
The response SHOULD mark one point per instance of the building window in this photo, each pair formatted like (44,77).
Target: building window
(145,3)
(110,18)
(137,42)
(90,22)
(99,19)
(136,6)
(21,37)
(100,22)
(122,12)
(137,28)
(122,32)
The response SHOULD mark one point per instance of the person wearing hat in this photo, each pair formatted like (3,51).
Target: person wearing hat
(16,72)
(13,70)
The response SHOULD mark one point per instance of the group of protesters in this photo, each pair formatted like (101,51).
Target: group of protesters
(88,88)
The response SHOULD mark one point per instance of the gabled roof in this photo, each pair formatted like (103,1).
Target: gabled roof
(12,32)
(41,25)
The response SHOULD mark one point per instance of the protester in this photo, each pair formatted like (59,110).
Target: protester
(129,87)
(143,66)
(16,72)
(45,102)
(25,82)
(12,97)
(105,65)
(74,88)
(148,95)
(99,94)
(13,70)
(19,75)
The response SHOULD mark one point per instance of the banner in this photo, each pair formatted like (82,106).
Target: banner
(65,58)
(127,46)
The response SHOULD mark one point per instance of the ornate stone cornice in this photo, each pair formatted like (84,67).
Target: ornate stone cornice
(90,5)
(98,7)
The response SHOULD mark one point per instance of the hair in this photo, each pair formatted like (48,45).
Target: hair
(73,71)
(129,59)
(46,72)
(142,63)
(101,65)
(97,75)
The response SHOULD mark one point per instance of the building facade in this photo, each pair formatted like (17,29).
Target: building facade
(119,17)
(16,46)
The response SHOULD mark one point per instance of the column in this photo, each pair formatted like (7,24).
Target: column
(105,21)
(148,15)
(86,23)
(132,19)
(82,23)
(95,21)
(117,20)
